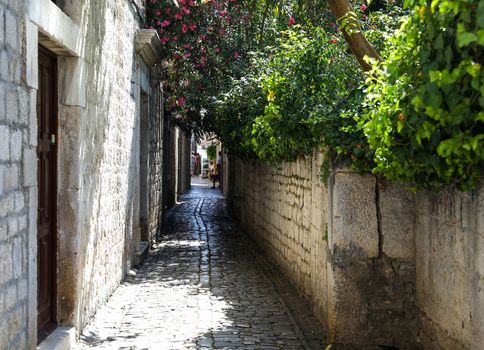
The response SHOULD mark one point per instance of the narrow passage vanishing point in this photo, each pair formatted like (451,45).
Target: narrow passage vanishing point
(204,286)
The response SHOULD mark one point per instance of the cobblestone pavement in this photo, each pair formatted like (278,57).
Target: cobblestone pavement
(204,286)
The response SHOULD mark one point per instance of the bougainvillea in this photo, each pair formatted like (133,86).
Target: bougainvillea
(201,48)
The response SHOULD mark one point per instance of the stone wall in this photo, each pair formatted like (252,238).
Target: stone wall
(99,158)
(285,212)
(155,162)
(184,158)
(380,265)
(346,246)
(18,183)
(450,269)
(108,105)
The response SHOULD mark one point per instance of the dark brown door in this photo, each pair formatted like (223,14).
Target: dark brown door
(46,224)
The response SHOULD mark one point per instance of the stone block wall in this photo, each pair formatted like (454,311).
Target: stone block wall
(380,266)
(18,183)
(449,245)
(347,246)
(155,162)
(285,211)
(101,76)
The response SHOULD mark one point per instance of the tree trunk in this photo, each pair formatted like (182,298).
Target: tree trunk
(353,33)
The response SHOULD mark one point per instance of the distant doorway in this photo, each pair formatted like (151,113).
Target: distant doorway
(47,186)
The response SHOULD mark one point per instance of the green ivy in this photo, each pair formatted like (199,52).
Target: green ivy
(424,102)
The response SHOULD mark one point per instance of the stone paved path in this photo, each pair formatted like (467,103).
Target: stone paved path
(205,286)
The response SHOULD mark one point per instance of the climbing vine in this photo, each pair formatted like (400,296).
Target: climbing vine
(424,102)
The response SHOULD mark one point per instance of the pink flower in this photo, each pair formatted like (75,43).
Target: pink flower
(164,40)
(175,38)
(192,26)
(165,23)
(363,7)
(187,54)
(186,10)
(217,50)
(179,15)
(183,2)
(333,40)
(181,101)
(236,55)
(333,25)
(167,10)
(292,21)
(158,13)
(184,28)
(365,17)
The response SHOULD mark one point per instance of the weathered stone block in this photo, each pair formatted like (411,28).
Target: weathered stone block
(18,257)
(11,31)
(33,119)
(3,230)
(6,267)
(348,308)
(24,107)
(12,106)
(4,146)
(30,167)
(32,48)
(11,178)
(10,296)
(16,145)
(397,210)
(12,225)
(6,205)
(4,65)
(2,26)
(355,227)
(449,268)
(3,89)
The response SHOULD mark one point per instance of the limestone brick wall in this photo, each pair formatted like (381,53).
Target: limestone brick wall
(380,266)
(285,210)
(99,159)
(156,162)
(450,269)
(347,246)
(18,180)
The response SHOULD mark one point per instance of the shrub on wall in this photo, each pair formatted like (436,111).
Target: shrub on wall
(424,101)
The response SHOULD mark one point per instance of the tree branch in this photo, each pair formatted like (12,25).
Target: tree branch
(352,32)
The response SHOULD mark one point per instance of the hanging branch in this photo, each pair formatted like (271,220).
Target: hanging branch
(352,32)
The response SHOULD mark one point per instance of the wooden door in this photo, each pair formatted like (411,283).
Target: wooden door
(47,181)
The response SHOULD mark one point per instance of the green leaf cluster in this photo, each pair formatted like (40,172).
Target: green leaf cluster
(423,109)
(297,97)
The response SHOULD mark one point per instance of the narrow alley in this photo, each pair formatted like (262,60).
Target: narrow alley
(204,286)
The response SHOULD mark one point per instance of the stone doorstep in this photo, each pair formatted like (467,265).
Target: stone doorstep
(61,339)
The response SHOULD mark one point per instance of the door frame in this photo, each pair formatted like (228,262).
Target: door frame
(49,328)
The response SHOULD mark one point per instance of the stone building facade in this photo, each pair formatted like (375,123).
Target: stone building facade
(83,147)
(379,265)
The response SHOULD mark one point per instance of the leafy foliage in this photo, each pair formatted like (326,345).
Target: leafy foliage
(424,101)
(211,152)
(416,117)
